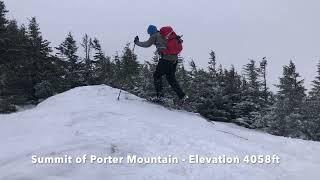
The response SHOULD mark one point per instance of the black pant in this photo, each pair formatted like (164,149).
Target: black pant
(167,68)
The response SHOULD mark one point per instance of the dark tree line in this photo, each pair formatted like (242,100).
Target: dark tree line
(31,72)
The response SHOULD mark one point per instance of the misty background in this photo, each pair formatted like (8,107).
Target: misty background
(281,30)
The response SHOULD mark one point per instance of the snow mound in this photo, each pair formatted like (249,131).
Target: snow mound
(90,120)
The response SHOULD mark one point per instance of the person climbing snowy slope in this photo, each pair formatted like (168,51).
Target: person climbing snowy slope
(168,45)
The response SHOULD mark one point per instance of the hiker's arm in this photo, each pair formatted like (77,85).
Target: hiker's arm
(147,43)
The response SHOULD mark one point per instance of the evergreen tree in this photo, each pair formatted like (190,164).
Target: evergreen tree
(104,71)
(183,77)
(154,62)
(146,87)
(252,76)
(28,71)
(207,92)
(67,52)
(193,67)
(146,77)
(233,82)
(219,79)
(39,54)
(13,63)
(117,80)
(5,105)
(232,91)
(312,108)
(44,70)
(290,87)
(248,109)
(266,97)
(129,69)
(212,63)
(288,116)
(39,46)
(3,19)
(98,50)
(263,74)
(315,90)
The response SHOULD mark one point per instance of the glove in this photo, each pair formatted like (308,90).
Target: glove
(136,39)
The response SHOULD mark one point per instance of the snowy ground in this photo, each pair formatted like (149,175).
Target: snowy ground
(89,120)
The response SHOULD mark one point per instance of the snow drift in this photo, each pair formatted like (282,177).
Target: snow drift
(89,120)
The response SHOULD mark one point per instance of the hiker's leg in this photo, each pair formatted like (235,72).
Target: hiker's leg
(171,78)
(157,77)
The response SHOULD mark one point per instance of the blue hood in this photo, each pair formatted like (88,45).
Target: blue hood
(152,29)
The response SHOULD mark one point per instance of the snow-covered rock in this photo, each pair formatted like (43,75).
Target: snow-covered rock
(90,120)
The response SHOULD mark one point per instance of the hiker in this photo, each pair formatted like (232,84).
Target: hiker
(168,45)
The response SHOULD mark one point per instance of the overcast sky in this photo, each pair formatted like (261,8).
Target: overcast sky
(237,30)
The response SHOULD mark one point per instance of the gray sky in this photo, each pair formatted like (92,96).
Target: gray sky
(237,30)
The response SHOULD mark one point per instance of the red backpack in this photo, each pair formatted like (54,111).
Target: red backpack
(174,42)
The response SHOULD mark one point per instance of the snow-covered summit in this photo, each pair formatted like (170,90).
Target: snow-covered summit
(90,120)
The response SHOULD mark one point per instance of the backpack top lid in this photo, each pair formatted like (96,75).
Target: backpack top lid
(167,32)
(173,43)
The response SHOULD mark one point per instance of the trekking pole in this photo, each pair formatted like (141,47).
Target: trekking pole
(119,95)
